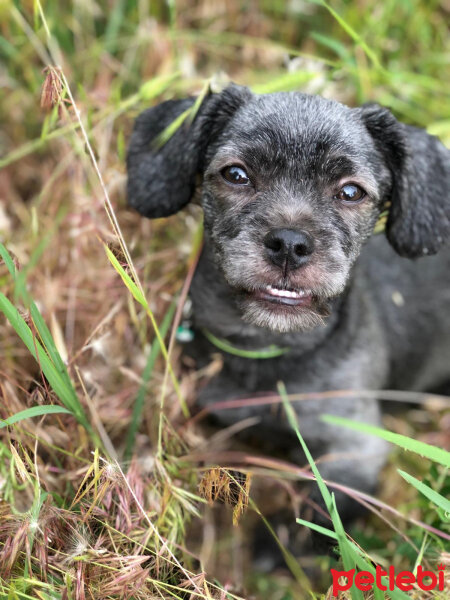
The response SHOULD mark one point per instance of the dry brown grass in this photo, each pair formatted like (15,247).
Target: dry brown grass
(80,523)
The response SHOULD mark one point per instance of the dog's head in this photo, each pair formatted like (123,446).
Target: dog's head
(291,187)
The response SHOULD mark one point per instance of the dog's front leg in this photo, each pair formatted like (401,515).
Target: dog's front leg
(344,457)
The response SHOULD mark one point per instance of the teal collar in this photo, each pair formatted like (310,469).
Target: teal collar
(271,351)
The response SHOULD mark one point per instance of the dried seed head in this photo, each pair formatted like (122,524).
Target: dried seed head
(51,93)
(232,488)
(78,543)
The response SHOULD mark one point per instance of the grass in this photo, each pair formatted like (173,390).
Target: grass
(100,463)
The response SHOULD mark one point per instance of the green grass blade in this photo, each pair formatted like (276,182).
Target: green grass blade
(378,594)
(365,565)
(285,83)
(431,494)
(49,344)
(34,145)
(356,558)
(318,528)
(352,33)
(328,498)
(140,399)
(171,129)
(7,259)
(344,546)
(20,286)
(8,49)
(38,320)
(155,87)
(350,554)
(65,393)
(293,423)
(435,454)
(132,287)
(115,22)
(335,45)
(206,91)
(34,411)
(139,297)
(188,115)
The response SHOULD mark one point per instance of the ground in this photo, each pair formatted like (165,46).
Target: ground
(105,502)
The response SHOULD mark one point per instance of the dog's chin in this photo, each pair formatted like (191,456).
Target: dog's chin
(283,311)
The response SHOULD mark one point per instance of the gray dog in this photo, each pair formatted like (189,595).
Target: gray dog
(292,186)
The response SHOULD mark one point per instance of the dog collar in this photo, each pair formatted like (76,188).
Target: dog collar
(185,333)
(272,351)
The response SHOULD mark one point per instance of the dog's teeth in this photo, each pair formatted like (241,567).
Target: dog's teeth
(274,291)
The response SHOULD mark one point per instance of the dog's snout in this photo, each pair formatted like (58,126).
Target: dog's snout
(288,247)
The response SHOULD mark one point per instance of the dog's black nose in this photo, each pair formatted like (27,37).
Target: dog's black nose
(288,248)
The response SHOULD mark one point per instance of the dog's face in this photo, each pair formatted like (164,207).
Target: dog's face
(291,186)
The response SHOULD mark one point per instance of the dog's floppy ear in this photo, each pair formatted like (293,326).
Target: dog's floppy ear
(162,176)
(419,214)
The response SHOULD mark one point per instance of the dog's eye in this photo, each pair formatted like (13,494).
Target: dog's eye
(350,193)
(236,175)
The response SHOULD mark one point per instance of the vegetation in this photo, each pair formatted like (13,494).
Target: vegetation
(109,487)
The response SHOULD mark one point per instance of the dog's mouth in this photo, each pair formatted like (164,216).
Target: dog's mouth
(284,296)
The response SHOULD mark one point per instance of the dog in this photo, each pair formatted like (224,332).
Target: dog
(292,285)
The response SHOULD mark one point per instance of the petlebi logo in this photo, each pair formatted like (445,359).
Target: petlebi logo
(388,580)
